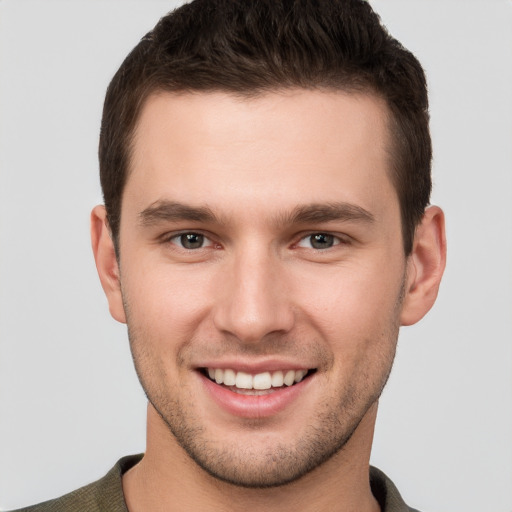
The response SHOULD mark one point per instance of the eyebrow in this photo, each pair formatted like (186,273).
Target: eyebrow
(326,212)
(171,211)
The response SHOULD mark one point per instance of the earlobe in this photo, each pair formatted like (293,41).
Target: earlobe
(425,266)
(106,262)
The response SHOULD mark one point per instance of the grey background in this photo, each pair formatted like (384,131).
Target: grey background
(70,403)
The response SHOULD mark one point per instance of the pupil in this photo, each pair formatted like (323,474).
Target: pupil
(192,240)
(321,241)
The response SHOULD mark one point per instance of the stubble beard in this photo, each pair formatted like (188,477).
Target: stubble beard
(278,464)
(281,462)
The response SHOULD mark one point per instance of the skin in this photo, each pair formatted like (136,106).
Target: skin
(257,179)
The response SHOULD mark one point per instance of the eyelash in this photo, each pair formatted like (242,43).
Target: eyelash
(319,235)
(178,240)
(179,236)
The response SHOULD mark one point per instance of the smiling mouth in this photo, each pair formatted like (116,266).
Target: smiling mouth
(259,384)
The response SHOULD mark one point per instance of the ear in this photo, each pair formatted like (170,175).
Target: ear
(425,266)
(106,262)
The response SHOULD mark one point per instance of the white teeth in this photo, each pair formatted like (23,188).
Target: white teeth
(243,380)
(289,378)
(277,379)
(260,381)
(229,378)
(219,376)
(299,375)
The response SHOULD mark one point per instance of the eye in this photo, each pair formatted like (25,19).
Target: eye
(191,241)
(319,241)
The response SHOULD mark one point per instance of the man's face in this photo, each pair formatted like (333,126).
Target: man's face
(260,241)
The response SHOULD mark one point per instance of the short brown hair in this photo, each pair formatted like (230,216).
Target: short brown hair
(250,47)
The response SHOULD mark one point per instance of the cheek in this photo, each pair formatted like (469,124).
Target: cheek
(166,297)
(358,298)
(357,314)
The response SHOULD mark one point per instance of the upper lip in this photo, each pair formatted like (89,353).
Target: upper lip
(255,367)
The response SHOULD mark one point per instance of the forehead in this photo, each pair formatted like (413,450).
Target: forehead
(284,148)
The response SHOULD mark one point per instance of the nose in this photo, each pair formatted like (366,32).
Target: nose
(253,301)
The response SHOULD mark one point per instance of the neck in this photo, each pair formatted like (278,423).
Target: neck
(167,479)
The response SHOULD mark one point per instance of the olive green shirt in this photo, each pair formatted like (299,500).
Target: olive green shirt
(106,495)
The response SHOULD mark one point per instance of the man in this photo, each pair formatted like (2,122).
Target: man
(266,175)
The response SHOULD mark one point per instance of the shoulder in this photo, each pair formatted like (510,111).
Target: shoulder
(104,494)
(386,493)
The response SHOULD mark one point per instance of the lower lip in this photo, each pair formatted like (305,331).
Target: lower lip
(254,406)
